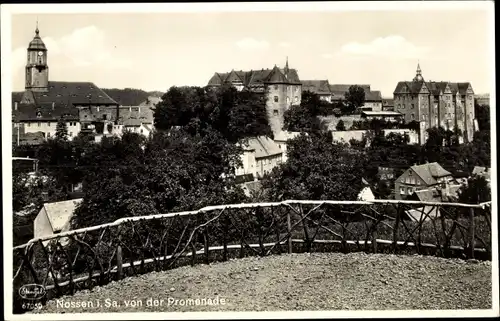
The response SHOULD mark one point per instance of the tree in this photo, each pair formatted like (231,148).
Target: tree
(355,98)
(304,118)
(234,114)
(476,191)
(482,113)
(316,169)
(172,171)
(61,130)
(340,126)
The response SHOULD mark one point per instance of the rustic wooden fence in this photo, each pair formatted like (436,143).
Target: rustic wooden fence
(81,259)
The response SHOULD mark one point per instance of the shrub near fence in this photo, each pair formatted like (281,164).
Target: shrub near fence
(83,258)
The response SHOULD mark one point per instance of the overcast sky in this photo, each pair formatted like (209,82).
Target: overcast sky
(155,51)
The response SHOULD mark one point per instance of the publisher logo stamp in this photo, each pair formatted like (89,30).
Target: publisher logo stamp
(32,291)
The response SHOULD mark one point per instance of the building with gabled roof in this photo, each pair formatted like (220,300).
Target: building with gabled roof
(319,87)
(281,86)
(419,177)
(82,105)
(436,104)
(54,218)
(260,155)
(373,98)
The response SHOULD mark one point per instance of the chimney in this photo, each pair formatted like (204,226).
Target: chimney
(15,105)
(130,109)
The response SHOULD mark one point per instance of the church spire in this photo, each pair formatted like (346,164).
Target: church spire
(286,66)
(37,32)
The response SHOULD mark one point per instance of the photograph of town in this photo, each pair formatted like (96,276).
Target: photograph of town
(250,161)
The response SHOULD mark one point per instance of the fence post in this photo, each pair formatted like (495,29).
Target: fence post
(289,228)
(471,232)
(207,254)
(374,240)
(119,256)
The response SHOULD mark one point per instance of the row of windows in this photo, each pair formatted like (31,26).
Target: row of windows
(277,99)
(48,134)
(268,161)
(404,190)
(50,124)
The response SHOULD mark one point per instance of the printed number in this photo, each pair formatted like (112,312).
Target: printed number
(32,306)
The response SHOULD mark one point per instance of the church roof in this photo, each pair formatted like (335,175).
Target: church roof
(71,93)
(37,43)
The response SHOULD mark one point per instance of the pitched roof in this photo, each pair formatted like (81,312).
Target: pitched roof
(373,95)
(388,102)
(430,172)
(255,78)
(411,87)
(59,213)
(71,93)
(263,146)
(339,90)
(435,87)
(345,87)
(320,87)
(142,113)
(44,112)
(366,194)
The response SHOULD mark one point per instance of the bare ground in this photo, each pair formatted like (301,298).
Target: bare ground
(318,281)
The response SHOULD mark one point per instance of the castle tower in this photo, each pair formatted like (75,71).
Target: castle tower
(37,69)
(418,76)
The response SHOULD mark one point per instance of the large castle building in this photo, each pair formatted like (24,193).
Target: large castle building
(437,104)
(43,103)
(281,87)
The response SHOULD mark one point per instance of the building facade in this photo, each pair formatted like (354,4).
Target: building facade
(281,86)
(261,154)
(436,104)
(421,177)
(82,105)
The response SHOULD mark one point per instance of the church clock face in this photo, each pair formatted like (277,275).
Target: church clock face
(40,53)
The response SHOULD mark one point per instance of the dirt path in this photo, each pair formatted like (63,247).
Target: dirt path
(320,281)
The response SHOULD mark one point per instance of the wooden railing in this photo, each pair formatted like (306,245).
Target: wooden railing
(83,258)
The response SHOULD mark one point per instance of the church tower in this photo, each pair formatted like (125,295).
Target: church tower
(37,70)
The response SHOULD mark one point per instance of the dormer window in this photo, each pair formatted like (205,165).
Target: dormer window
(38,114)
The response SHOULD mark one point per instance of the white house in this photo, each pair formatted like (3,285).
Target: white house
(54,218)
(261,154)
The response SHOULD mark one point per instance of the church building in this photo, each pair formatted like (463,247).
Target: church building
(82,105)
